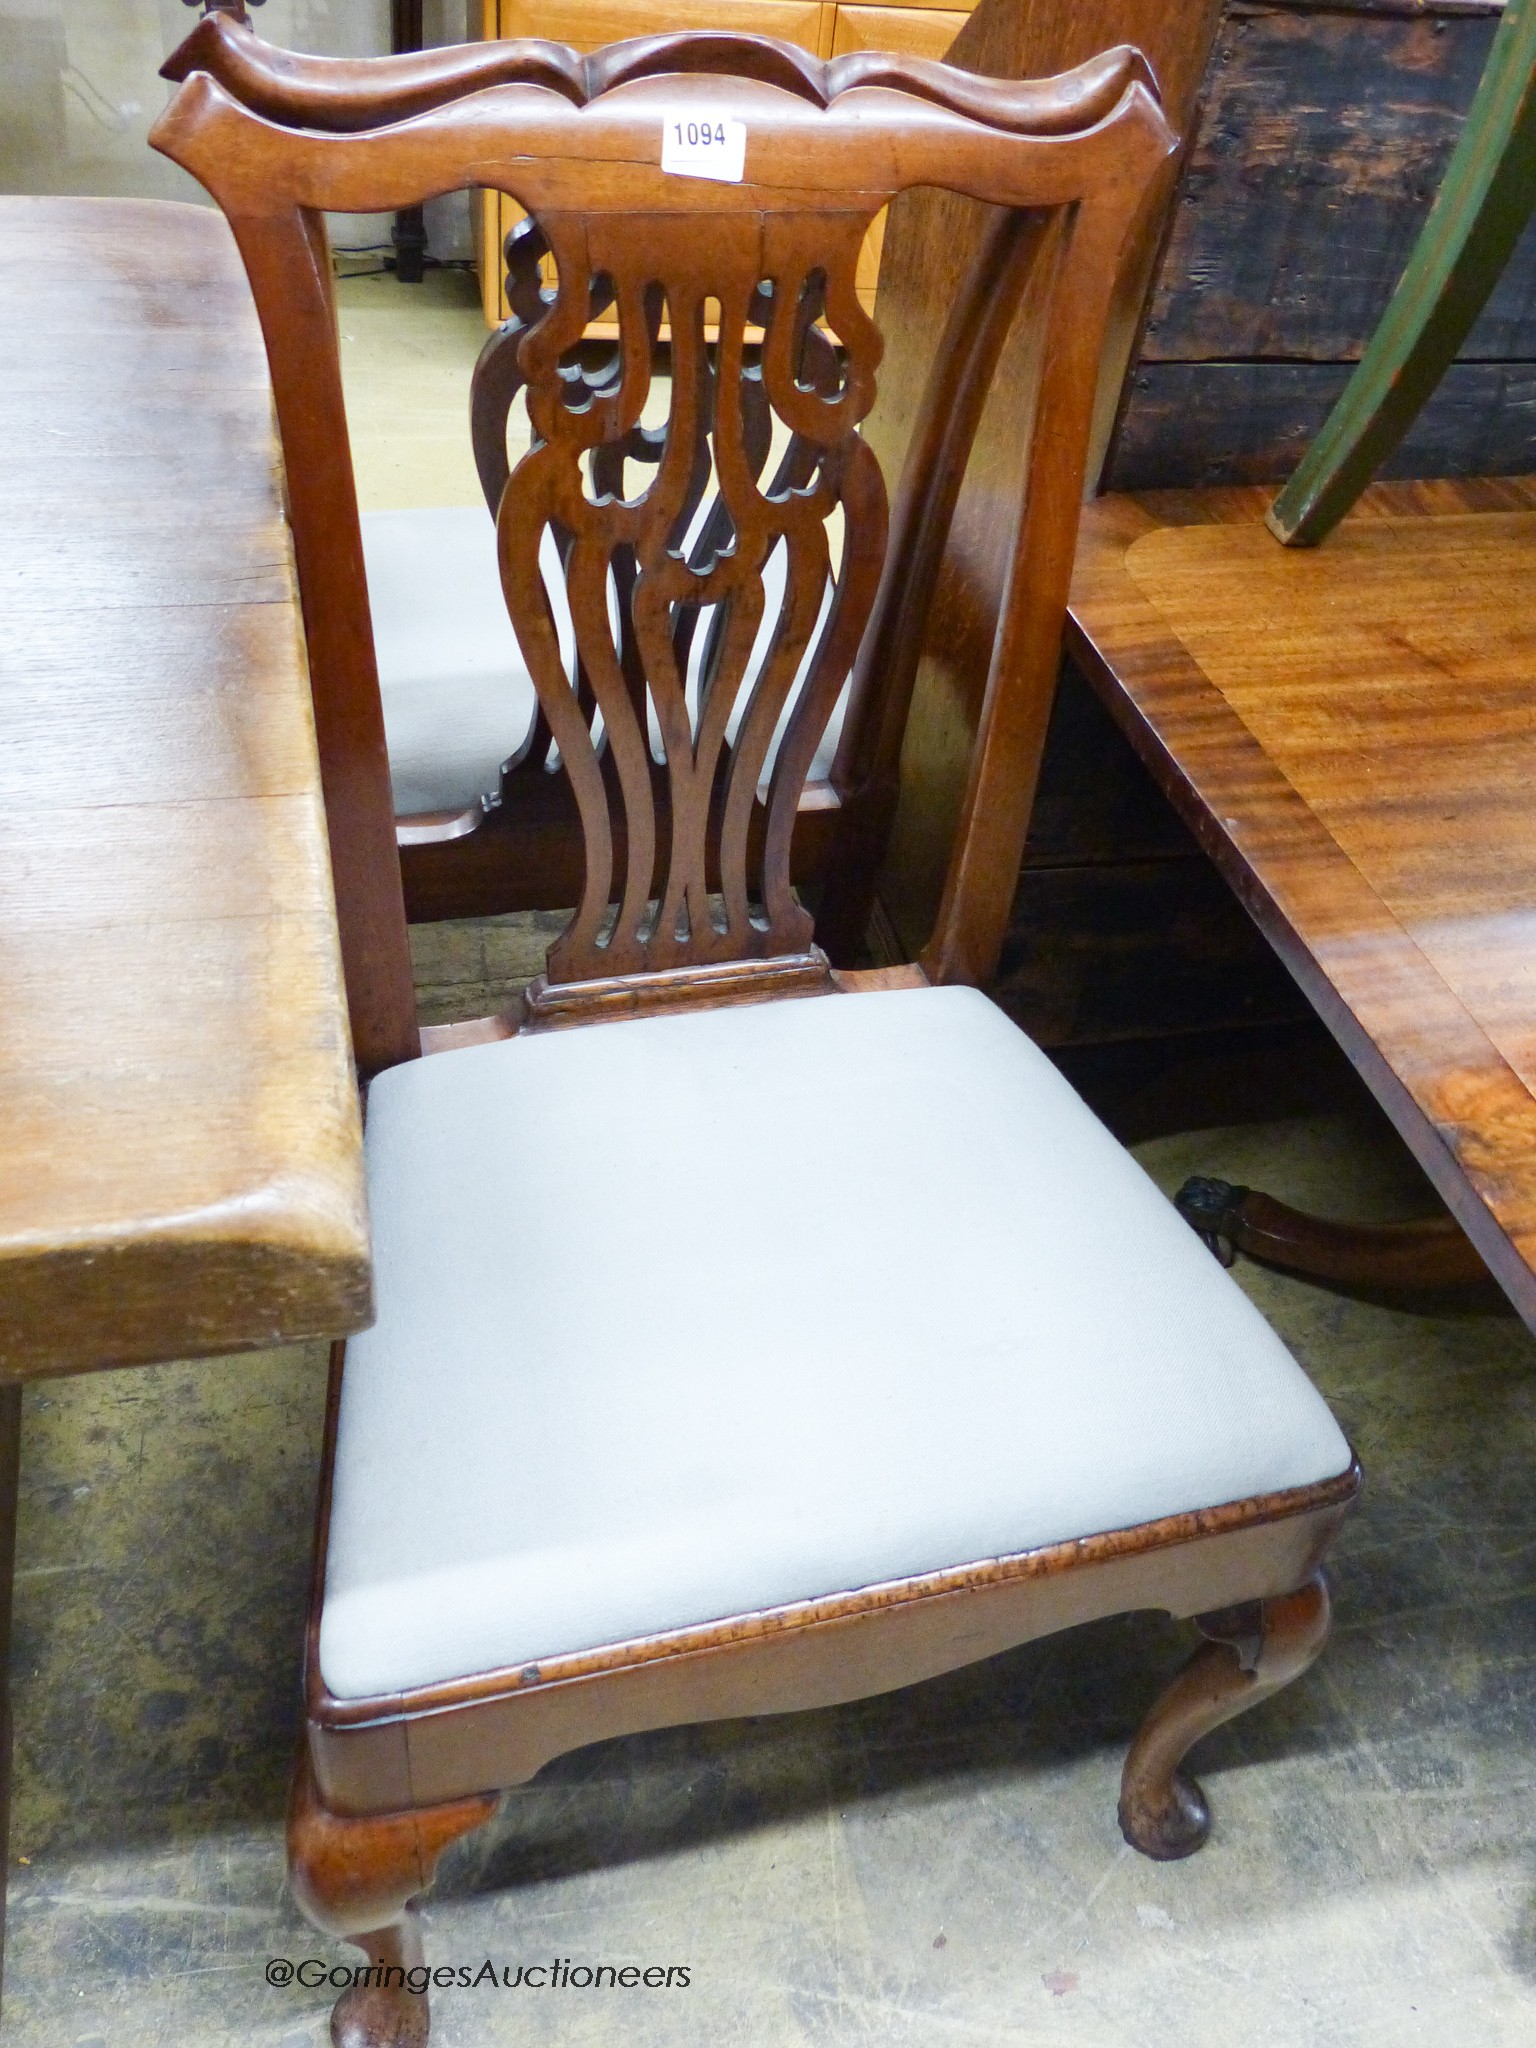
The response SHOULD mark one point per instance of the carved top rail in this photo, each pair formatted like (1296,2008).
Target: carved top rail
(771,243)
(343,94)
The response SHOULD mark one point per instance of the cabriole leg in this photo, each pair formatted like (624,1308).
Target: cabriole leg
(357,1878)
(1250,1652)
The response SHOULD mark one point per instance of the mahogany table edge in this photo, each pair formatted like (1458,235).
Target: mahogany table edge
(1101,549)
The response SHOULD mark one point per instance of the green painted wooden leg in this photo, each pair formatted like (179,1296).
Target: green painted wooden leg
(1487,196)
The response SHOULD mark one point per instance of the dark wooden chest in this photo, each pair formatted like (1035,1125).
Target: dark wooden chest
(1322,138)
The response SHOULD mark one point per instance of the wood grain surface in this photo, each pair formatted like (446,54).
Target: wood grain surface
(1477,222)
(180,1164)
(1323,139)
(1317,137)
(1350,734)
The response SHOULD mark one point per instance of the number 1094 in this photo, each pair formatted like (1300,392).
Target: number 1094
(699,134)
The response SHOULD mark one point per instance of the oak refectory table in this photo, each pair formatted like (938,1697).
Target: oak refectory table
(1350,733)
(180,1146)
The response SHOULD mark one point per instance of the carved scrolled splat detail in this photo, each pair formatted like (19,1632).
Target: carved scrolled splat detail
(497,378)
(710,906)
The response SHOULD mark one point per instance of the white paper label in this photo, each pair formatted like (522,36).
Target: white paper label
(698,144)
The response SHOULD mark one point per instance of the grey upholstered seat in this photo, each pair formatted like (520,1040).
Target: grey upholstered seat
(457,696)
(689,1316)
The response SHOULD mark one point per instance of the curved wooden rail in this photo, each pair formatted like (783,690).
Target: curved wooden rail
(342,95)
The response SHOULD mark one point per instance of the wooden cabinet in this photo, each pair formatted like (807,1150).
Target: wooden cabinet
(586,24)
(823,26)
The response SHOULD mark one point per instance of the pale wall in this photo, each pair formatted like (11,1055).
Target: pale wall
(79,90)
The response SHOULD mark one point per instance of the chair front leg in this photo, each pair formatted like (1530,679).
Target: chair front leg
(357,1877)
(1250,1653)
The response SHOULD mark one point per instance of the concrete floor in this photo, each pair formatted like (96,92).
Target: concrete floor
(941,1865)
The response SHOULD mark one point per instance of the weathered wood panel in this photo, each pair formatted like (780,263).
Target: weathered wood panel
(1324,133)
(181,1168)
(1242,423)
(1322,143)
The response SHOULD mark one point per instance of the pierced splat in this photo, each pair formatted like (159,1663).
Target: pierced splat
(688,517)
(690,895)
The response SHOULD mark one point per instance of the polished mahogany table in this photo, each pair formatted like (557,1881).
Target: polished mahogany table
(1350,732)
(180,1146)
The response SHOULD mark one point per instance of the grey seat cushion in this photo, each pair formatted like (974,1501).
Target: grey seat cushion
(458,699)
(687,1316)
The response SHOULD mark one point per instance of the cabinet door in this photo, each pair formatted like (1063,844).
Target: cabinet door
(916,32)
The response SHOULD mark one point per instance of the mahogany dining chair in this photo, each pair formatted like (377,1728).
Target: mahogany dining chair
(752,1335)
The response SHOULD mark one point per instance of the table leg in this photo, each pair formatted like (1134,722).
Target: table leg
(1433,1252)
(10,1454)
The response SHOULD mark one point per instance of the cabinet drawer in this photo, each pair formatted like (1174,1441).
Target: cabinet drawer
(586,24)
(917,31)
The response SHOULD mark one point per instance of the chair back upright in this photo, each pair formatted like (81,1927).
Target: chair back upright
(727,181)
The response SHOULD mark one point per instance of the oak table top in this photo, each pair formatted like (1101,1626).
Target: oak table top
(1350,731)
(180,1149)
